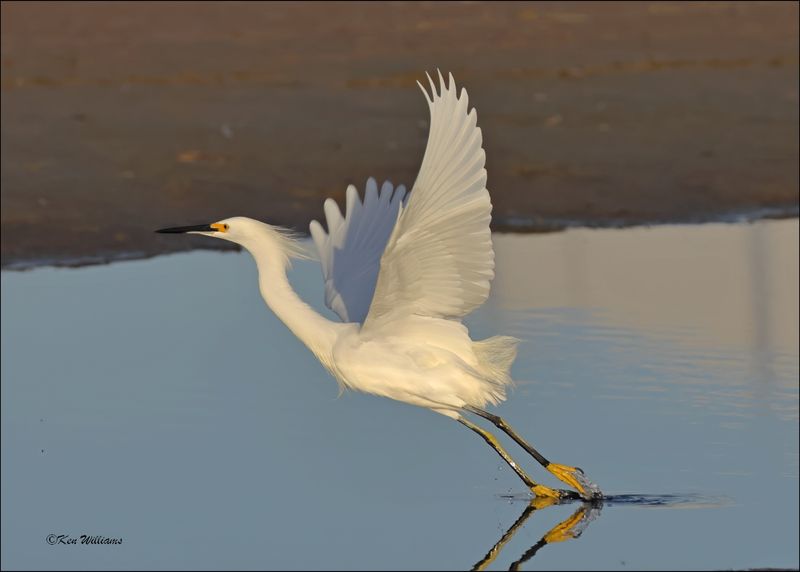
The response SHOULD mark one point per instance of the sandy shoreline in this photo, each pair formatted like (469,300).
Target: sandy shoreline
(121,118)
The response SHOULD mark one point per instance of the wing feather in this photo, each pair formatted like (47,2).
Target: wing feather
(439,260)
(350,251)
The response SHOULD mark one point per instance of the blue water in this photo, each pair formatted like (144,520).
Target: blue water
(160,402)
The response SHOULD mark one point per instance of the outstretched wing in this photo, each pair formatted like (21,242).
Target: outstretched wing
(439,259)
(350,252)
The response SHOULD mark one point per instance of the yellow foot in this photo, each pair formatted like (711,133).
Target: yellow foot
(547,492)
(543,502)
(575,478)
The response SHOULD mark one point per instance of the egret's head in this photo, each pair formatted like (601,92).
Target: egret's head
(248,233)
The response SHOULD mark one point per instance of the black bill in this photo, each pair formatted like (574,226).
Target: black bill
(180,229)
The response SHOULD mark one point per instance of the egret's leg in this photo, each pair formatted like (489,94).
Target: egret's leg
(538,490)
(573,476)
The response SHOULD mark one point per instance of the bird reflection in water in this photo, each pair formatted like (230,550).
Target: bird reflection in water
(569,528)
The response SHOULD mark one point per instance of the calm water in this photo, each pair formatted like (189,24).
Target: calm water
(159,402)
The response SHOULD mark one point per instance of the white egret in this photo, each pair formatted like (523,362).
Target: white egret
(401,271)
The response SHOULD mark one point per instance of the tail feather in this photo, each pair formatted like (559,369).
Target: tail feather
(495,356)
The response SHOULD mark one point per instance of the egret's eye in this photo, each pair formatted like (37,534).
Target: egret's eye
(225,227)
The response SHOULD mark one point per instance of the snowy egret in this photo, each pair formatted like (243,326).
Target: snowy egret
(401,271)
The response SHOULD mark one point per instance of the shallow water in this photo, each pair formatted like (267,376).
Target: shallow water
(159,402)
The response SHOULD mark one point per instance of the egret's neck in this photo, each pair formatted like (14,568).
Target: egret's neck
(314,330)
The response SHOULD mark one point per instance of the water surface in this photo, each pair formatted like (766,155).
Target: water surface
(159,402)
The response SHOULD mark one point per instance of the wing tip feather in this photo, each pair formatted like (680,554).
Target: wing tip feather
(386,190)
(315,227)
(433,87)
(425,92)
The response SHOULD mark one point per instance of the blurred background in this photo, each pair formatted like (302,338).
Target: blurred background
(119,118)
(158,401)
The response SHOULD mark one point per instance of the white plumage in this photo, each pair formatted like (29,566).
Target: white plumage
(350,253)
(408,270)
(439,260)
